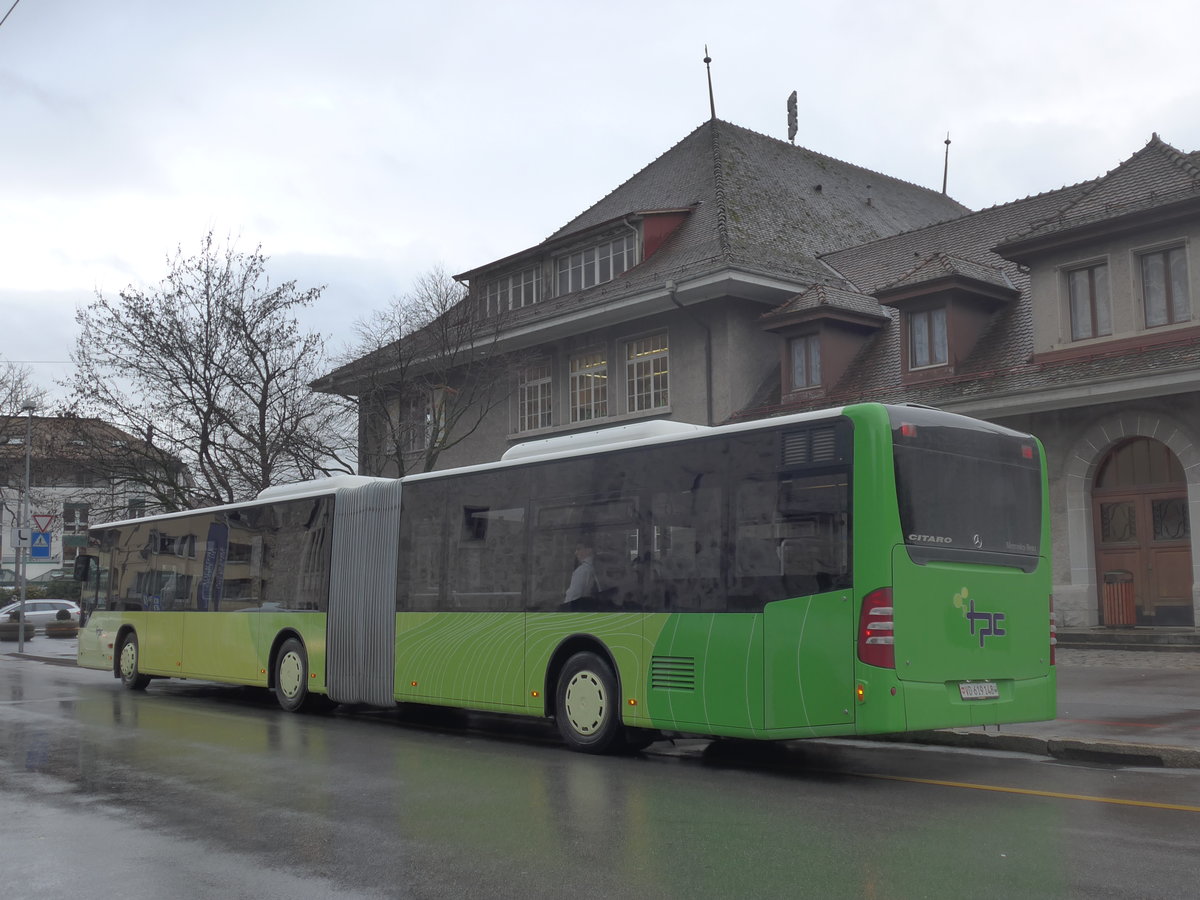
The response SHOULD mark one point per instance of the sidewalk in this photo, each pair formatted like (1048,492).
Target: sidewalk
(1132,707)
(1126,706)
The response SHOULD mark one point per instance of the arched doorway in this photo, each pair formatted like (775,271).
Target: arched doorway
(1142,536)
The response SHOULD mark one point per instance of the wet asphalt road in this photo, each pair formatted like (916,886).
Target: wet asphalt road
(195,790)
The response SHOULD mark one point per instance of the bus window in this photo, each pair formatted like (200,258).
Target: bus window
(487,543)
(599,533)
(686,550)
(967,493)
(791,538)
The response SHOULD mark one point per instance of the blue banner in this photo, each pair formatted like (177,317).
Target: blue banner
(212,579)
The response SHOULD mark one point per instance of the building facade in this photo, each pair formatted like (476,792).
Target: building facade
(738,276)
(72,485)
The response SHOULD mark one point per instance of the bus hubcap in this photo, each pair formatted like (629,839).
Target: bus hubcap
(128,660)
(585,703)
(291,673)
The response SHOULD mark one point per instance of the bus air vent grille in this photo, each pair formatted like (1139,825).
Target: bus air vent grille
(812,445)
(673,673)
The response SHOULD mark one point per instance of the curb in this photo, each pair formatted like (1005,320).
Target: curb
(53,660)
(1072,749)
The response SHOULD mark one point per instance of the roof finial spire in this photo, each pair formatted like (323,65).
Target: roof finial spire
(946,165)
(792,117)
(712,107)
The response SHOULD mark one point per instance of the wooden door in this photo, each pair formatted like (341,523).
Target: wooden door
(1142,533)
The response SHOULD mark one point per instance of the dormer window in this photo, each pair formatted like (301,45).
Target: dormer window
(595,265)
(806,361)
(513,291)
(927,345)
(1165,295)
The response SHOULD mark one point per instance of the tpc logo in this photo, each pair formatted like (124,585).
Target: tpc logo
(988,624)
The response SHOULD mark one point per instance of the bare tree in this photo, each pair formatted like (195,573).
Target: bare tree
(17,388)
(211,370)
(426,371)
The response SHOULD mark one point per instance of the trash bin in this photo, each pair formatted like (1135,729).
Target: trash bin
(1118,599)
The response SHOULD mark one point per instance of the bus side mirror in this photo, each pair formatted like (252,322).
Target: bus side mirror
(83,568)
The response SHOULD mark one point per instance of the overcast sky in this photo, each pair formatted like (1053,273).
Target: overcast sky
(362,142)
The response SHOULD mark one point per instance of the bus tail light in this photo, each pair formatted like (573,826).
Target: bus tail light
(876,630)
(1053,629)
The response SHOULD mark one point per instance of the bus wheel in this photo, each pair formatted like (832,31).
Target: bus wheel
(130,677)
(587,710)
(291,675)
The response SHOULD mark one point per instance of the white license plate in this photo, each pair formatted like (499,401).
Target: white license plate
(979,690)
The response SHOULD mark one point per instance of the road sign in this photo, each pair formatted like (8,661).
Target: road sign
(42,522)
(41,545)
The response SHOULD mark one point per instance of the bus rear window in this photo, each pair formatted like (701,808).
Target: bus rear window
(967,490)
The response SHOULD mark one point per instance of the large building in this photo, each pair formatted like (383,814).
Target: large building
(740,276)
(73,466)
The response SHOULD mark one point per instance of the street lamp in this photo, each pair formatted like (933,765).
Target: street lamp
(27,407)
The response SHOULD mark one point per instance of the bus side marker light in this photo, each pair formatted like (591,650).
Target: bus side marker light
(412,684)
(860,692)
(535,694)
(633,701)
(312,675)
(893,691)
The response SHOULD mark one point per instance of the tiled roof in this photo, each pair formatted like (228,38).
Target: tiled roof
(1156,175)
(759,203)
(823,295)
(1002,362)
(942,265)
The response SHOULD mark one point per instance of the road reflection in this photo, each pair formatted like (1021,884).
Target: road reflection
(443,797)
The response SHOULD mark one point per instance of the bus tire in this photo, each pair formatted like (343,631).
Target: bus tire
(127,667)
(587,708)
(291,675)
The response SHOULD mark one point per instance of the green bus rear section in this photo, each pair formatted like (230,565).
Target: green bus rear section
(789,671)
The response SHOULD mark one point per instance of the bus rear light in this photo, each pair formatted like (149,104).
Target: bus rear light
(876,630)
(907,430)
(1026,451)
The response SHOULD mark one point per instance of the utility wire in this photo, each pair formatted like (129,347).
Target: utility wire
(9,13)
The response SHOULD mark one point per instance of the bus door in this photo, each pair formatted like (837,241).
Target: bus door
(802,557)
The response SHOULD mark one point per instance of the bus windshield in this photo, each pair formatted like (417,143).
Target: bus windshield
(967,493)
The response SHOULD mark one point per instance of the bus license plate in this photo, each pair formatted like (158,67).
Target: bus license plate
(979,690)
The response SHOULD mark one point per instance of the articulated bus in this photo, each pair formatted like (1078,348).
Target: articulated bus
(864,570)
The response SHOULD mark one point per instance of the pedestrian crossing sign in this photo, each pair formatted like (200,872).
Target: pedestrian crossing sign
(40,548)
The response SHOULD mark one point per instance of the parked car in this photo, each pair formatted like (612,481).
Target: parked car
(39,612)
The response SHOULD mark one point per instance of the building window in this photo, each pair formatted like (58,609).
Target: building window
(646,373)
(416,424)
(1165,287)
(589,386)
(533,398)
(927,338)
(596,265)
(513,291)
(806,361)
(1091,313)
